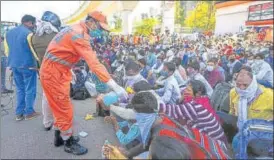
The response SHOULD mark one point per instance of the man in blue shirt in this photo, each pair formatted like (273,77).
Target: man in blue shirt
(151,58)
(239,49)
(23,63)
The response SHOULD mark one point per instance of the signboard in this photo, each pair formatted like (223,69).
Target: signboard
(267,11)
(254,13)
(260,12)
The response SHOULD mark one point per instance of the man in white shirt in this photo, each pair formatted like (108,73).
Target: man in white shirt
(263,71)
(193,73)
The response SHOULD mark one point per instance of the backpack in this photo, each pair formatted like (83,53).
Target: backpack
(78,90)
(81,94)
(254,131)
(119,73)
(220,97)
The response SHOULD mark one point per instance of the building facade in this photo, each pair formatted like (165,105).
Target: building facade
(235,16)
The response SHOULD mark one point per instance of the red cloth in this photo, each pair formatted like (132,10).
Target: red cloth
(205,102)
(261,36)
(196,152)
(194,145)
(214,77)
(228,50)
(238,57)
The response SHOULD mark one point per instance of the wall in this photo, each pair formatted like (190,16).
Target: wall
(232,18)
(169,19)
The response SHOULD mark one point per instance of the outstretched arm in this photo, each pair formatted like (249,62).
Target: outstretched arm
(84,49)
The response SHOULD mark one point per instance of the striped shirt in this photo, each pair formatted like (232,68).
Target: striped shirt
(196,116)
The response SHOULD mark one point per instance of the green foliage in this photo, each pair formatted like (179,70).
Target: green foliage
(117,24)
(179,14)
(202,17)
(145,26)
(116,30)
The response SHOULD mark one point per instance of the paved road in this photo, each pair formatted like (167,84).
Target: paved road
(28,140)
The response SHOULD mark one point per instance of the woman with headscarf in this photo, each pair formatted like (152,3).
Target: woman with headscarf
(197,112)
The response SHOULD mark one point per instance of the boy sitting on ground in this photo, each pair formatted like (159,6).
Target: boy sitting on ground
(132,76)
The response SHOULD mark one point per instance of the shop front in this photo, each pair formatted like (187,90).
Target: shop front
(237,16)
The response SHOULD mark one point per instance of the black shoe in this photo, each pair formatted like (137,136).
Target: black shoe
(58,141)
(19,117)
(73,147)
(6,91)
(102,113)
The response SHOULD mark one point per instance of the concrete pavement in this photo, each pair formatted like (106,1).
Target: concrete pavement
(28,140)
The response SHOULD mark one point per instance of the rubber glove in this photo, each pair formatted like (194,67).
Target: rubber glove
(121,92)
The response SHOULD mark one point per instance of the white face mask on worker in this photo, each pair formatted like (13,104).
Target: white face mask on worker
(210,68)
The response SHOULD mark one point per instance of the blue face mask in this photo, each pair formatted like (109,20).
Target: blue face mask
(97,33)
(164,73)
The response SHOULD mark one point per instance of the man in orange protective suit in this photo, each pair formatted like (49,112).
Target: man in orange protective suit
(64,51)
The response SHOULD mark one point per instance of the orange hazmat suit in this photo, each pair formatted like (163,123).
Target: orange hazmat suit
(64,51)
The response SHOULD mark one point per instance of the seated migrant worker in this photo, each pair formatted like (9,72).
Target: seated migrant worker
(263,71)
(132,76)
(197,113)
(152,125)
(248,100)
(123,120)
(146,71)
(170,93)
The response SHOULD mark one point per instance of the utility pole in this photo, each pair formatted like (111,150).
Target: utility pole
(209,13)
(162,15)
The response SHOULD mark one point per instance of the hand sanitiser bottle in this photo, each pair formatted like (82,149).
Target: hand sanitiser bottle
(110,98)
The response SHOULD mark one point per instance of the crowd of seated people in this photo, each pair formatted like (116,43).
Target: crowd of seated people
(169,111)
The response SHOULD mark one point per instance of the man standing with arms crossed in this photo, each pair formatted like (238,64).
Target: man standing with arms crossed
(64,51)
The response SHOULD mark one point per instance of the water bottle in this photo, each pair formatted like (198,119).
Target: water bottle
(110,98)
(106,143)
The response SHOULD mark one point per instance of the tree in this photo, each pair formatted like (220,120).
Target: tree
(145,27)
(202,17)
(117,23)
(179,13)
(159,18)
